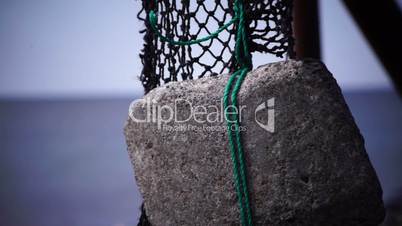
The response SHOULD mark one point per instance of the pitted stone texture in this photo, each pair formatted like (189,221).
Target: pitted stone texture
(313,170)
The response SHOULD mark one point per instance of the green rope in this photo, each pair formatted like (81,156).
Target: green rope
(243,57)
(240,152)
(238,183)
(237,154)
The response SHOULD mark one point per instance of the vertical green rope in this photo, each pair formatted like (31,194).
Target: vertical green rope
(232,145)
(240,152)
(243,58)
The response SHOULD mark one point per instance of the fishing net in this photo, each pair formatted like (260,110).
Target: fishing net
(184,39)
(268,27)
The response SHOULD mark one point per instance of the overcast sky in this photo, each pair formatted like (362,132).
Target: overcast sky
(81,48)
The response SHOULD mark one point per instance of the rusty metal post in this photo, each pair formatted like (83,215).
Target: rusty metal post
(306,29)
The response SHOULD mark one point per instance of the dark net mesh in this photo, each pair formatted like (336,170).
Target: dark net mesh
(269,31)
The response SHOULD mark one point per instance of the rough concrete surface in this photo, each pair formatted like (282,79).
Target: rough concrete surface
(312,170)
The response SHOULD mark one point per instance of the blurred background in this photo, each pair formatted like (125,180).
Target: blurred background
(68,72)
